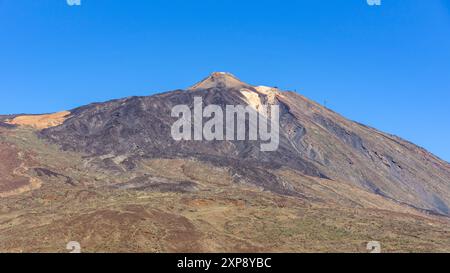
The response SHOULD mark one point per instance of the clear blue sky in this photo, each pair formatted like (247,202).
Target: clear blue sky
(387,66)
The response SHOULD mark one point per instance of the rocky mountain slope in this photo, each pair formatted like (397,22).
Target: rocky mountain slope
(313,140)
(110,176)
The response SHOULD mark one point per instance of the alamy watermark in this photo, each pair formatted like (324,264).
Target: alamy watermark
(73,2)
(374,247)
(78,2)
(374,2)
(74,246)
(263,123)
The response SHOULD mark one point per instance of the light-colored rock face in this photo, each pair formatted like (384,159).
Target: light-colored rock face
(40,121)
(252,98)
(270,93)
(260,97)
(266,89)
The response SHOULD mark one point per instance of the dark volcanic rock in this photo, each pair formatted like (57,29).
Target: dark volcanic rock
(42,172)
(150,183)
(7,126)
(142,126)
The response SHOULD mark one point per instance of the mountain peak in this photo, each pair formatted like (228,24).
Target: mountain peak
(220,80)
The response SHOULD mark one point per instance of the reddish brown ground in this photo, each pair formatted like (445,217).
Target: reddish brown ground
(13,177)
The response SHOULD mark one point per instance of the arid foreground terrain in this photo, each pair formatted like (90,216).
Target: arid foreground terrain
(109,176)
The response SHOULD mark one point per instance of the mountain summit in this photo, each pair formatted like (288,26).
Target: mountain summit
(220,80)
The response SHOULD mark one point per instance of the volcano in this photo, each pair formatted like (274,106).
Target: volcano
(109,167)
